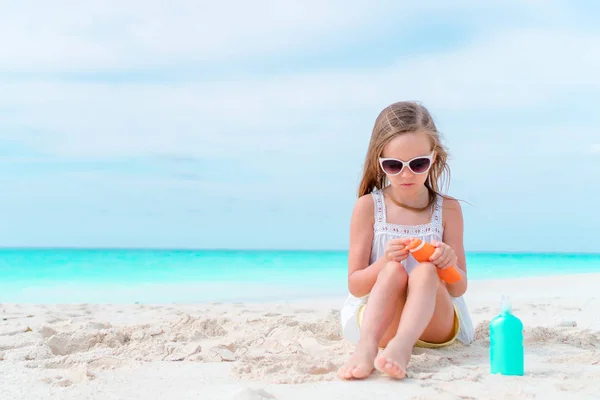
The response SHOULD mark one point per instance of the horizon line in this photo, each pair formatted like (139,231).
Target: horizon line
(283,250)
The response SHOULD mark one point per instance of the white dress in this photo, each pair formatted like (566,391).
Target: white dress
(382,232)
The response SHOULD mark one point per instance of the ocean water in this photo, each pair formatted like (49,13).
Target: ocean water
(146,276)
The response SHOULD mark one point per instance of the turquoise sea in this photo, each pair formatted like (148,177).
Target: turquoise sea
(122,275)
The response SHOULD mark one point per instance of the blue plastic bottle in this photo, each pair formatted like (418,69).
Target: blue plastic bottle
(506,343)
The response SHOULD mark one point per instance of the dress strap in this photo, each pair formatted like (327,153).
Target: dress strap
(436,216)
(379,205)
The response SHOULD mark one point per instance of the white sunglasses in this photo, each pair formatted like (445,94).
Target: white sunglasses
(418,165)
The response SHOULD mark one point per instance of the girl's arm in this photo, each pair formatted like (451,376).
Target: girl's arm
(361,275)
(453,237)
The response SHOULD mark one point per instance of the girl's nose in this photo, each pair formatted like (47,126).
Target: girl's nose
(406,172)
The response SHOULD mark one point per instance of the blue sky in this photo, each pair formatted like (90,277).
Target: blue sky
(230,125)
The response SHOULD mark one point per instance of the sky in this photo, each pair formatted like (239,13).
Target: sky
(244,125)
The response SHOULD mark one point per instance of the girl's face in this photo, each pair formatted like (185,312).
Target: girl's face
(406,160)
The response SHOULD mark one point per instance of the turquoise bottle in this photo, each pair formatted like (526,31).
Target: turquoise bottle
(506,343)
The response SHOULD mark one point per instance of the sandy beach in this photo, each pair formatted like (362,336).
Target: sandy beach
(290,350)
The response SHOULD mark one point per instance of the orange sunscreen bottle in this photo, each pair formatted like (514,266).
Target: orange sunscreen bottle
(421,251)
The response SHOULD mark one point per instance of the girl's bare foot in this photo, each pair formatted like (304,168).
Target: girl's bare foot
(360,364)
(394,359)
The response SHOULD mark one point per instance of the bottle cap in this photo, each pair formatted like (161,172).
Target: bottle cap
(505,307)
(415,245)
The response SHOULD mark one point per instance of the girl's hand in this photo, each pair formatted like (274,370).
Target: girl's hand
(443,256)
(395,250)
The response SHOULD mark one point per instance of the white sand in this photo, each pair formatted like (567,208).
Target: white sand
(289,351)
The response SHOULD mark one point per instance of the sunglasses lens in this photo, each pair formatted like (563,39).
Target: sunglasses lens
(420,165)
(391,167)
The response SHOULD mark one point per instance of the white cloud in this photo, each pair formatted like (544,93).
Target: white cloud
(512,70)
(114,34)
(98,35)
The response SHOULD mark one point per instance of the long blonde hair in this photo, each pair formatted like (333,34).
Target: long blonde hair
(397,119)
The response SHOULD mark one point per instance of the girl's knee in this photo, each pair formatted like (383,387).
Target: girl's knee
(425,270)
(393,271)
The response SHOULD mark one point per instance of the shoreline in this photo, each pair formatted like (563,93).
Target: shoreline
(48,292)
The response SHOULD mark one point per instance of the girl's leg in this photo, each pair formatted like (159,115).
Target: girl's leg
(428,315)
(386,297)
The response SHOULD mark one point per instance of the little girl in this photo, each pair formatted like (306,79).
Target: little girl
(395,302)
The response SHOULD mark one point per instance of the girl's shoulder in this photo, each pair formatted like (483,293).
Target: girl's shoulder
(365,205)
(368,200)
(451,210)
(450,203)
